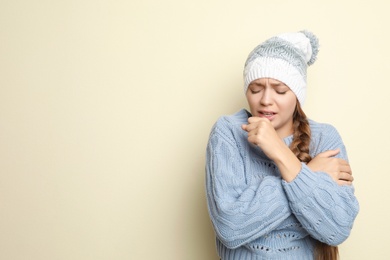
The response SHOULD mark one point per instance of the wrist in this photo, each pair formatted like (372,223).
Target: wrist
(288,164)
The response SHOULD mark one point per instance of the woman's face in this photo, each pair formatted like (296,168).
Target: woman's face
(272,99)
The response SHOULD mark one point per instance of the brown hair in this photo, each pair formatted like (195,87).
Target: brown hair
(300,147)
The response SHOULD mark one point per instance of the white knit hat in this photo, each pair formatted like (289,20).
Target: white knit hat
(284,57)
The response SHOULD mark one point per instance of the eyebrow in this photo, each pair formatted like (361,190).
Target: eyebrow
(278,84)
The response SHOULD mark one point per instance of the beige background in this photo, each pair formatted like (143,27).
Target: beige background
(106,107)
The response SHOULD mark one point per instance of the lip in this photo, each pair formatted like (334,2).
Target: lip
(267,114)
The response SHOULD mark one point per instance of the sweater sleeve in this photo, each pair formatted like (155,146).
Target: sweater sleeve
(324,208)
(240,210)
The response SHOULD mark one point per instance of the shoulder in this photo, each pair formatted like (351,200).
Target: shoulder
(229,126)
(230,122)
(238,118)
(325,137)
(322,129)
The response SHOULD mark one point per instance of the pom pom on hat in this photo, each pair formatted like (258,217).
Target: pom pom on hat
(314,46)
(284,57)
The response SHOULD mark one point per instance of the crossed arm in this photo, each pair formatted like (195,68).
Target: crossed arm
(242,211)
(262,133)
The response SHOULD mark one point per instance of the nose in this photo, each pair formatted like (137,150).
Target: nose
(266,98)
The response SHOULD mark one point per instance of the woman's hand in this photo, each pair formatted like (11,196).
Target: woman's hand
(337,168)
(262,133)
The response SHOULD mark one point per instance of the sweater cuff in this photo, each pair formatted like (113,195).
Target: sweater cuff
(302,186)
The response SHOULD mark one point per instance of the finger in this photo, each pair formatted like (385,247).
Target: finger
(329,153)
(249,127)
(254,132)
(345,176)
(342,182)
(346,168)
(254,126)
(254,119)
(342,161)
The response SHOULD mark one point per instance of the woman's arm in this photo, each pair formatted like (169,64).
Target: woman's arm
(326,209)
(241,210)
(263,134)
(338,169)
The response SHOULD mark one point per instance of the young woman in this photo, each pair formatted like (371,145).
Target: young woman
(279,186)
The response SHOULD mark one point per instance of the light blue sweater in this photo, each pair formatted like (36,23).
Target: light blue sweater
(257,215)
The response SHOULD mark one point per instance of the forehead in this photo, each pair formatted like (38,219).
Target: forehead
(268,81)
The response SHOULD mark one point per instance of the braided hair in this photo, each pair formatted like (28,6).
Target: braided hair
(300,147)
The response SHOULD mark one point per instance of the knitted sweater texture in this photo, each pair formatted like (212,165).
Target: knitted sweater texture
(256,214)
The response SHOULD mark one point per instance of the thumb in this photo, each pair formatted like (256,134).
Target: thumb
(329,153)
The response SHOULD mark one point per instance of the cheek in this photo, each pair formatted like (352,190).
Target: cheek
(251,100)
(292,108)
(252,105)
(290,104)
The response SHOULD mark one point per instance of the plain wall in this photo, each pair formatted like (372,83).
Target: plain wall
(106,107)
